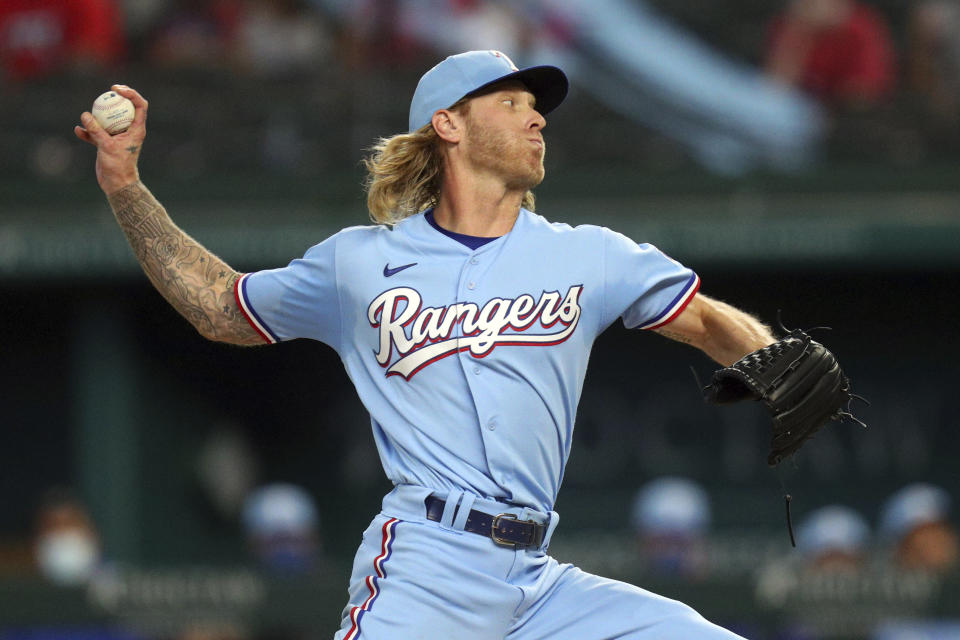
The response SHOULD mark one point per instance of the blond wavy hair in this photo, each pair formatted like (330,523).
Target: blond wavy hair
(405,173)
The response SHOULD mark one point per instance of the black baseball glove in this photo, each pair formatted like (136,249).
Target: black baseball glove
(798,380)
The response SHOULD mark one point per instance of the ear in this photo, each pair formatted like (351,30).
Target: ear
(449,125)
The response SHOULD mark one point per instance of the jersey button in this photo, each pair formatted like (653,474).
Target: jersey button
(476,370)
(492,425)
(474,261)
(471,285)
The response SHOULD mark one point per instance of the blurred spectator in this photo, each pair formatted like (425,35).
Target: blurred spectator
(838,50)
(398,33)
(227,469)
(932,67)
(915,521)
(196,34)
(43,37)
(140,16)
(671,517)
(833,538)
(66,543)
(451,26)
(279,36)
(372,35)
(918,630)
(282,528)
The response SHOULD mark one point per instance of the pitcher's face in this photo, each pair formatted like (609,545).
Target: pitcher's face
(504,136)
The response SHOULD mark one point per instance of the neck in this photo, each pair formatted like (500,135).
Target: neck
(477,209)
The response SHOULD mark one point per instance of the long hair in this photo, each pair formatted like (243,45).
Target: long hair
(405,173)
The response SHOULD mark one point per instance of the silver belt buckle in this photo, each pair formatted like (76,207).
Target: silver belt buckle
(498,539)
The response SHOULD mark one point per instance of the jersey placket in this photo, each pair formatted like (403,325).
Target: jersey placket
(469,289)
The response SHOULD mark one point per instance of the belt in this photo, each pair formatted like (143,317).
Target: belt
(504,529)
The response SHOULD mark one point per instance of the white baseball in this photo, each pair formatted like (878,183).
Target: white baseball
(113,112)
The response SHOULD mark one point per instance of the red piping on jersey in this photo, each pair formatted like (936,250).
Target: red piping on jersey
(386,547)
(693,292)
(243,311)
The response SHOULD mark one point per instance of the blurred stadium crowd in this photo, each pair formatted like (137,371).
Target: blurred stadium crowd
(850,577)
(731,86)
(298,89)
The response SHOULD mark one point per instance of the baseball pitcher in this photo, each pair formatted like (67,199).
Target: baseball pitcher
(465,322)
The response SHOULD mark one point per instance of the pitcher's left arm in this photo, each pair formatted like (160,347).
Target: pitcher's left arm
(720,330)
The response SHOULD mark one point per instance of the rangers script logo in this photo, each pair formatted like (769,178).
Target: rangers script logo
(397,311)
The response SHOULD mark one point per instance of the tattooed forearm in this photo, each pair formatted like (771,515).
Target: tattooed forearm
(197,283)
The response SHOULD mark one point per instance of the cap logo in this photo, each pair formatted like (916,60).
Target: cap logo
(500,54)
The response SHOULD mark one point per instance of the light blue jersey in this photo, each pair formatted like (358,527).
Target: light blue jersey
(470,362)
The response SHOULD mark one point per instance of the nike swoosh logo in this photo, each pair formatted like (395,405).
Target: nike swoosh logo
(387,271)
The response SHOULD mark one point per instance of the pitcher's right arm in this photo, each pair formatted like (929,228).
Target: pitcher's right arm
(198,284)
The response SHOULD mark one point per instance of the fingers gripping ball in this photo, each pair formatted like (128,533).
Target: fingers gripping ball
(113,112)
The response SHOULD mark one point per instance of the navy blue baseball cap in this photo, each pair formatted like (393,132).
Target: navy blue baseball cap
(467,73)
